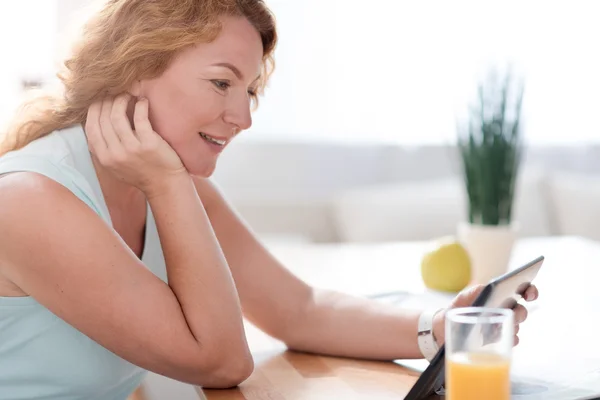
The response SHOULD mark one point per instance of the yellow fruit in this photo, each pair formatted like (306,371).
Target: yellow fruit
(446,267)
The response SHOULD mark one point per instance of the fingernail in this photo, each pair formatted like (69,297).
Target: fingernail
(529,297)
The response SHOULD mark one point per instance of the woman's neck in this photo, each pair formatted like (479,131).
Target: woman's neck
(116,192)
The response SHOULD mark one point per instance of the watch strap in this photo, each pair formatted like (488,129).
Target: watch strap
(426,339)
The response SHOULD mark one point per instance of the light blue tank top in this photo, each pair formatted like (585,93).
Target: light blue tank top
(41,356)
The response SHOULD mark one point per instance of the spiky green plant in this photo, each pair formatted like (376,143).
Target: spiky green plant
(491,149)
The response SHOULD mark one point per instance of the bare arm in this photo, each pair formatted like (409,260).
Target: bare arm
(83,272)
(271,296)
(304,318)
(309,319)
(342,325)
(199,276)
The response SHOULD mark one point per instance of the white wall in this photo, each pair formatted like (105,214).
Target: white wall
(27,43)
(400,71)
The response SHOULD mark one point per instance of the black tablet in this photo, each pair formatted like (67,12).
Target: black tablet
(504,291)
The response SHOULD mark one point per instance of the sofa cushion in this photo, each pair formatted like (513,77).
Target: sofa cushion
(426,210)
(403,211)
(575,202)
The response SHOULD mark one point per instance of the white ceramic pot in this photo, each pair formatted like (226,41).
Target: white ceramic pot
(489,247)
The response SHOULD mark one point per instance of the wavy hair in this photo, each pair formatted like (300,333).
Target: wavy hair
(127,40)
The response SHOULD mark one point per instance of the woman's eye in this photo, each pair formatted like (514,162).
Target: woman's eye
(222,85)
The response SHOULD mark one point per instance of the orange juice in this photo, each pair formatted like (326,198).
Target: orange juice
(477,376)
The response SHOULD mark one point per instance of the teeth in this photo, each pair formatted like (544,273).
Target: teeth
(213,140)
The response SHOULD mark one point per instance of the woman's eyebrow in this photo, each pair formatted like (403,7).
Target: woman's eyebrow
(236,71)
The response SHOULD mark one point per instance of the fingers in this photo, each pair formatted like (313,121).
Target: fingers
(520,313)
(531,293)
(516,341)
(108,128)
(110,136)
(467,297)
(93,132)
(143,128)
(120,121)
(476,290)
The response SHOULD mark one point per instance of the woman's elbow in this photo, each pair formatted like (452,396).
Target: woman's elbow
(229,374)
(225,373)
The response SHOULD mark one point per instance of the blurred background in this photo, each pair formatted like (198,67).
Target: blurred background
(355,138)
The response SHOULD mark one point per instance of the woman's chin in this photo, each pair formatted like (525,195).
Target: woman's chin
(198,158)
(201,168)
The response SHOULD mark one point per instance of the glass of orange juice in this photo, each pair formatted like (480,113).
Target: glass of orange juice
(478,343)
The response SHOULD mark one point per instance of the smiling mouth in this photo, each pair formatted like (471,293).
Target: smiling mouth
(212,140)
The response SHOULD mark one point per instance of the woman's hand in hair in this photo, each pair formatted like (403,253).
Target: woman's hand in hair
(138,156)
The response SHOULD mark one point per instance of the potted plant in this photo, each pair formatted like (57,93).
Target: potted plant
(490,147)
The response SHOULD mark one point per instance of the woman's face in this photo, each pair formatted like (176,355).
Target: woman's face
(203,99)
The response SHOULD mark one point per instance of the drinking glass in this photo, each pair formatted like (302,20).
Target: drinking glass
(479,344)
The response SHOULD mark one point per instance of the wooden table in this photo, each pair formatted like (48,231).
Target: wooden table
(376,268)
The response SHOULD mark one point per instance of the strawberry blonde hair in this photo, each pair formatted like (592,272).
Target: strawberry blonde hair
(128,40)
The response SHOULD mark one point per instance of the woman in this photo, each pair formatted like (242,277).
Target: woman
(118,255)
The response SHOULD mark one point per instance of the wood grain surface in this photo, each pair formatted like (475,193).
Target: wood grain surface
(291,375)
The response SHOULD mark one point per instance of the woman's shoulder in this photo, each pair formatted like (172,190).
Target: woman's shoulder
(62,156)
(56,147)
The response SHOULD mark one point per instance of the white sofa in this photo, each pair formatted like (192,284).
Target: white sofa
(334,192)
